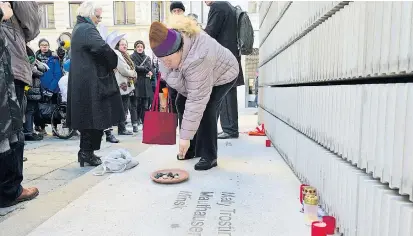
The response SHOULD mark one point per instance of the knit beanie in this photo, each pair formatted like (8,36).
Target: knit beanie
(164,41)
(43,40)
(178,5)
(139,42)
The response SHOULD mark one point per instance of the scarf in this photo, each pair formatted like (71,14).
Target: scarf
(128,60)
(139,58)
(43,57)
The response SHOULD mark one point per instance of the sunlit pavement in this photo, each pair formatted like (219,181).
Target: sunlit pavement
(251,192)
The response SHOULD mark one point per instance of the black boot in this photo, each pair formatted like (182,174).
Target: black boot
(205,164)
(88,157)
(135,128)
(110,137)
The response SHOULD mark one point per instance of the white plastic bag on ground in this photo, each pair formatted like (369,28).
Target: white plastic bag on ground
(116,161)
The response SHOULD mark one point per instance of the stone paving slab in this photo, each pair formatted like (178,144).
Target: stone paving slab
(252,192)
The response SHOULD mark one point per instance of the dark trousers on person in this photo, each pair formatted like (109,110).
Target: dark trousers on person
(31,109)
(11,162)
(142,107)
(90,139)
(204,143)
(125,104)
(173,94)
(229,113)
(133,109)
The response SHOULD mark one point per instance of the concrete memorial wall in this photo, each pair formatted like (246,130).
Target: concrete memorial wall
(336,98)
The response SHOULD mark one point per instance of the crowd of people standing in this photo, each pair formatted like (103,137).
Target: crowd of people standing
(199,71)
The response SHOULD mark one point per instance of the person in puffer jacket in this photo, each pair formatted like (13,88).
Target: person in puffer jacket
(34,95)
(50,79)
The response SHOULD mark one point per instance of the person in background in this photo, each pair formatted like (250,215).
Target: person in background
(125,75)
(34,96)
(202,71)
(143,87)
(177,8)
(93,99)
(49,79)
(195,18)
(11,125)
(222,26)
(163,90)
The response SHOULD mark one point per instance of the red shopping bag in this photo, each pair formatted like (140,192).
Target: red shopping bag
(159,127)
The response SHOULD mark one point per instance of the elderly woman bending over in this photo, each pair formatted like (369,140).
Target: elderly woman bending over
(202,71)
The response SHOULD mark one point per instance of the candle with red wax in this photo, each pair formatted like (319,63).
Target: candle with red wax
(331,224)
(318,228)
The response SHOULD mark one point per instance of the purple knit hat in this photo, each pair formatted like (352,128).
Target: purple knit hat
(164,41)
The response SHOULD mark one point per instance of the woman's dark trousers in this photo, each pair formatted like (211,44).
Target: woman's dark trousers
(173,94)
(142,106)
(133,108)
(90,139)
(125,104)
(204,143)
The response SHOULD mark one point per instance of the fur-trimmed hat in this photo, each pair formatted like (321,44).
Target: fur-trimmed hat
(164,41)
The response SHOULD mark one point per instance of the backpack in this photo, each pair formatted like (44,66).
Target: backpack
(245,32)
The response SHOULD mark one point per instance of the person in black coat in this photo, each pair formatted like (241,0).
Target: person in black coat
(94,102)
(11,126)
(143,87)
(222,26)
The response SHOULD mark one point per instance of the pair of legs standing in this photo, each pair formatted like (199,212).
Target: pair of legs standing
(138,106)
(229,115)
(204,144)
(11,166)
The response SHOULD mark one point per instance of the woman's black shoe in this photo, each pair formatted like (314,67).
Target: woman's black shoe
(110,138)
(88,157)
(135,129)
(187,157)
(205,164)
(125,132)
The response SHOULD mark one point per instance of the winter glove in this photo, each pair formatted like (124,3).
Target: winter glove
(41,66)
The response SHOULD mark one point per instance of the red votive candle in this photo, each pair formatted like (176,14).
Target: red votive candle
(318,228)
(331,224)
(301,192)
(268,143)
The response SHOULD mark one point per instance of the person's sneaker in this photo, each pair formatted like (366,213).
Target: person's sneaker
(224,135)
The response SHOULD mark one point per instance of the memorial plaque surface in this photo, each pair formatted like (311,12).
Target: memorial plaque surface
(253,192)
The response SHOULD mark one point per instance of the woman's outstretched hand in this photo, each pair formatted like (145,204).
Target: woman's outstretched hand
(183,147)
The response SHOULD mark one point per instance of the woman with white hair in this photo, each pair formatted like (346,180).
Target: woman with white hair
(94,102)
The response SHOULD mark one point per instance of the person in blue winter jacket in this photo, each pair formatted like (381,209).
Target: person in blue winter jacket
(50,79)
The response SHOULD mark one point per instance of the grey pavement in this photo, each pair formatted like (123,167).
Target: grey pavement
(251,192)
(52,164)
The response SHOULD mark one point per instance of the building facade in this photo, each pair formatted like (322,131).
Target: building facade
(134,18)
